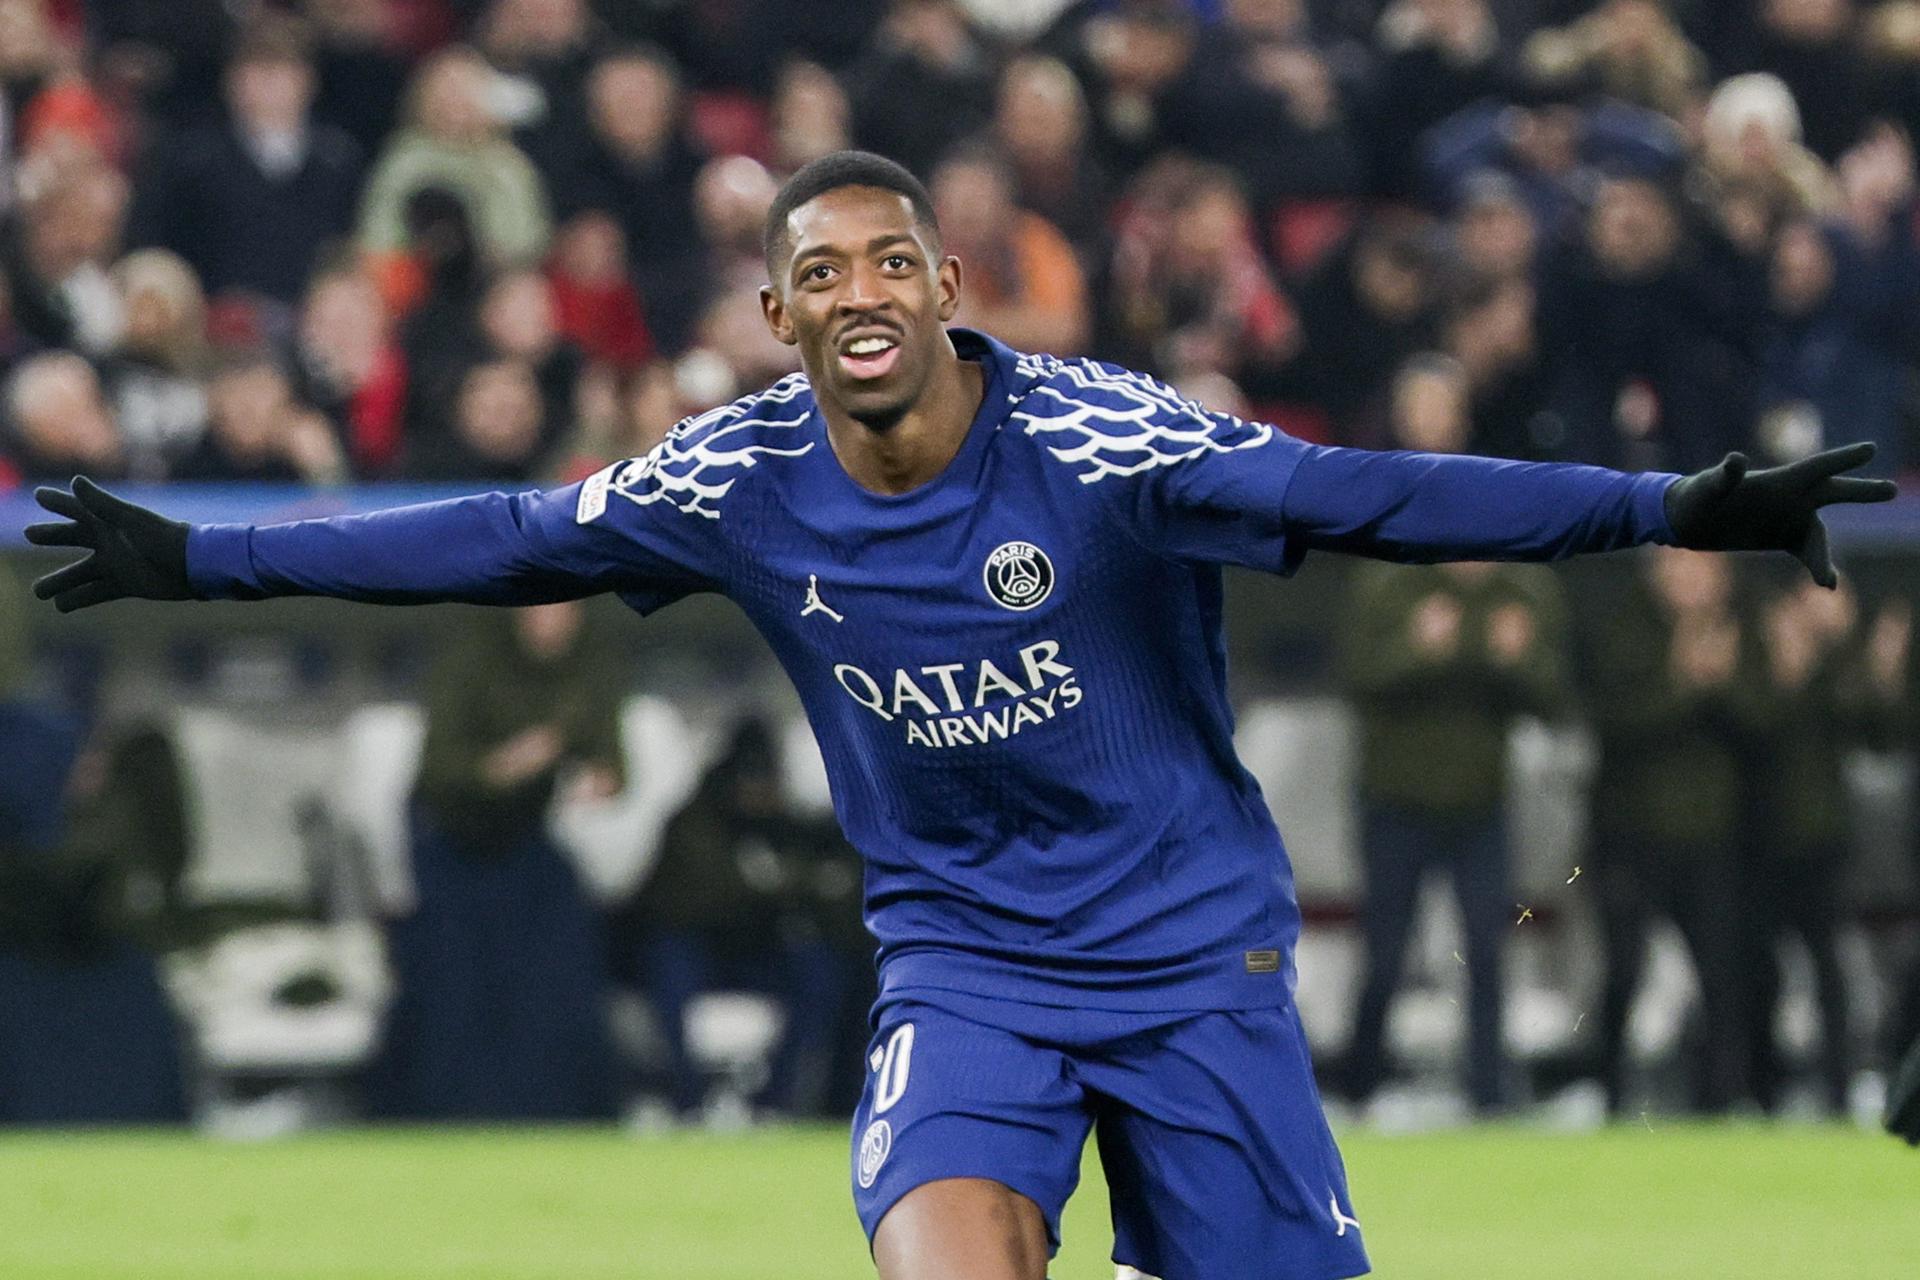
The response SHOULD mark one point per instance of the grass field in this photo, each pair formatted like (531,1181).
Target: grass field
(1491,1204)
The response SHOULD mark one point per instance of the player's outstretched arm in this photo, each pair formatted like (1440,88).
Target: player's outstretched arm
(1730,508)
(1421,508)
(495,548)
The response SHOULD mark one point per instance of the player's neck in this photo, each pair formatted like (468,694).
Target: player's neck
(913,450)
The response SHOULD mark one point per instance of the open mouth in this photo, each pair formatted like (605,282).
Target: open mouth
(870,356)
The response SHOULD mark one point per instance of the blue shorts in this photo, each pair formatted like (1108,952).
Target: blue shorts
(1217,1156)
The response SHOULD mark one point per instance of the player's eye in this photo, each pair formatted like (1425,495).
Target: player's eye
(897,262)
(818,272)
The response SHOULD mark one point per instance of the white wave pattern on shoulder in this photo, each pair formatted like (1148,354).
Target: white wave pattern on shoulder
(704,456)
(1119,423)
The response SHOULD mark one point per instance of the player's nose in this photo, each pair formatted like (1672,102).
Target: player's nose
(864,290)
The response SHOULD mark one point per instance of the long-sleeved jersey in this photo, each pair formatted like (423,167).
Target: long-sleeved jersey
(1016,670)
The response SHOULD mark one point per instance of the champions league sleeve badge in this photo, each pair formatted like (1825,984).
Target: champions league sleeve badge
(1018,576)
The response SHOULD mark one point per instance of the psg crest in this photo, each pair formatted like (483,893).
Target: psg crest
(1019,575)
(875,1146)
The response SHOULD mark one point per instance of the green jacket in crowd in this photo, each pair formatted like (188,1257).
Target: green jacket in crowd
(493,178)
(484,689)
(13,633)
(1434,723)
(1808,733)
(1674,756)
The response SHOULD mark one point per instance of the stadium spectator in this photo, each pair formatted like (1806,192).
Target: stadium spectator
(1189,291)
(30,52)
(1629,50)
(619,417)
(1650,345)
(92,842)
(1675,690)
(70,119)
(717,911)
(1493,228)
(250,203)
(1890,53)
(637,163)
(501,982)
(1368,308)
(732,351)
(1813,46)
(156,376)
(1556,150)
(1436,57)
(519,322)
(1260,96)
(452,141)
(1023,282)
(496,432)
(256,431)
(1488,327)
(63,240)
(1831,362)
(1129,58)
(60,422)
(1821,701)
(348,364)
(595,304)
(437,288)
(361,67)
(1439,662)
(546,41)
(1040,124)
(1751,142)
(809,115)
(171,51)
(731,197)
(87,1036)
(1877,183)
(1891,655)
(13,343)
(543,50)
(924,84)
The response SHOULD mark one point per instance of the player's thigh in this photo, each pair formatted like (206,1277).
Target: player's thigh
(962,1229)
(965,1133)
(1218,1156)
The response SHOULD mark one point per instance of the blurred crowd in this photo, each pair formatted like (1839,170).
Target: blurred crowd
(1724,702)
(329,240)
(1728,703)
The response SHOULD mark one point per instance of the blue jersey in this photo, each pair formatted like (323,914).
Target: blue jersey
(1016,671)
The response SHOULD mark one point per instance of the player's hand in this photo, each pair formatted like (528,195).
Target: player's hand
(1729,508)
(526,755)
(133,552)
(1434,628)
(1510,633)
(1903,1099)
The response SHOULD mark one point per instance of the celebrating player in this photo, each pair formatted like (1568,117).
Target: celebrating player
(995,579)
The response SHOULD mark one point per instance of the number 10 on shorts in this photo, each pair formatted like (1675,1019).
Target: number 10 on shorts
(893,1062)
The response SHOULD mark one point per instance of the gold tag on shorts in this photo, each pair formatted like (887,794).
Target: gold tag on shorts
(1263,962)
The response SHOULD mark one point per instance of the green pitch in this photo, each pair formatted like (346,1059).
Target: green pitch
(1493,1204)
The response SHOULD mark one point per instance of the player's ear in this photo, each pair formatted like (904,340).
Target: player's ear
(947,284)
(774,308)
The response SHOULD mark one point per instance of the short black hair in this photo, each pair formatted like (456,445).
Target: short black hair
(831,172)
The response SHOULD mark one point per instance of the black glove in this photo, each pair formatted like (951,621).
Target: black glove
(135,552)
(1903,1099)
(1728,508)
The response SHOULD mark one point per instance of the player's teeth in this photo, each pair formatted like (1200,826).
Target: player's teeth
(868,346)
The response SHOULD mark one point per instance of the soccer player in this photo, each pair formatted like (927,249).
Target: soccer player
(995,580)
